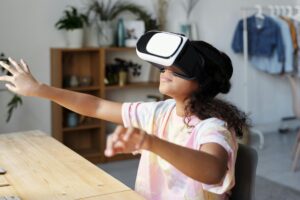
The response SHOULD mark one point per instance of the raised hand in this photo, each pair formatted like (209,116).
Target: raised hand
(21,81)
(126,140)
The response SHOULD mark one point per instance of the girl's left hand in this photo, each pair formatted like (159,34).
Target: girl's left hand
(126,140)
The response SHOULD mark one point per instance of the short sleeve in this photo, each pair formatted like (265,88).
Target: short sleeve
(139,115)
(215,131)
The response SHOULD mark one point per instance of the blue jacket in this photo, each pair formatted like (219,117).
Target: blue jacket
(262,41)
(272,65)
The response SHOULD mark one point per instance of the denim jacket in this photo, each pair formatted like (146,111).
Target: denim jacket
(262,41)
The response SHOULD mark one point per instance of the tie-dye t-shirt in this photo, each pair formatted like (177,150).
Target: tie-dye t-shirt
(159,180)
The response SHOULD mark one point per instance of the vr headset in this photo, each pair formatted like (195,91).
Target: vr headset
(170,50)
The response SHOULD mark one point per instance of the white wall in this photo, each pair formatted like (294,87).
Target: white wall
(27,31)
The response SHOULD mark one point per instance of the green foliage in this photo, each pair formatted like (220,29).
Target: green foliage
(109,11)
(12,105)
(16,100)
(72,19)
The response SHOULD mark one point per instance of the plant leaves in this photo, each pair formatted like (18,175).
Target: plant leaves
(12,105)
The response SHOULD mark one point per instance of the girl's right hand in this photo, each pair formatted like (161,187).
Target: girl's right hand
(21,81)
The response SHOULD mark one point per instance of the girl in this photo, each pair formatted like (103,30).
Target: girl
(188,143)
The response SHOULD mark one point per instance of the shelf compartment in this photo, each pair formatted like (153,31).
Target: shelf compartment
(133,85)
(80,64)
(82,139)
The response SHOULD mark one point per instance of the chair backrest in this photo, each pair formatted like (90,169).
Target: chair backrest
(245,172)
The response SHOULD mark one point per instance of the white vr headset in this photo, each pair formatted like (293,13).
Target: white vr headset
(165,49)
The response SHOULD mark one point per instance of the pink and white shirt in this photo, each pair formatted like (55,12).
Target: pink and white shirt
(159,180)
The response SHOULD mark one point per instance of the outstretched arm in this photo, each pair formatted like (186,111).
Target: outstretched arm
(23,83)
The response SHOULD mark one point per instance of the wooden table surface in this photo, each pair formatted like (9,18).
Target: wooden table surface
(41,168)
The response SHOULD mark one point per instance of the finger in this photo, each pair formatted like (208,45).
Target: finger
(11,88)
(119,132)
(15,64)
(128,133)
(120,129)
(115,136)
(108,150)
(8,67)
(119,147)
(119,144)
(6,78)
(25,66)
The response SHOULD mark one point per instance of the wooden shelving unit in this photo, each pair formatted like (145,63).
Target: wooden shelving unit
(89,137)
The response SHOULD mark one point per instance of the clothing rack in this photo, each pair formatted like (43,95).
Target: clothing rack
(246,56)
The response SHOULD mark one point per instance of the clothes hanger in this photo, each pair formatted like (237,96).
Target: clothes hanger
(277,10)
(259,13)
(282,11)
(289,10)
(272,10)
(297,15)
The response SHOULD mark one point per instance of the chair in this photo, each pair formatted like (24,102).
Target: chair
(296,108)
(245,172)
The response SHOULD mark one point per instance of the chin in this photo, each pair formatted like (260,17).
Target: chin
(165,91)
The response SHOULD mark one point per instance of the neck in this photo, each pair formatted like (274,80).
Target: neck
(180,107)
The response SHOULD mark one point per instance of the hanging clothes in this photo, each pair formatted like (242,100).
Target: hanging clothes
(262,40)
(265,44)
(288,65)
(292,31)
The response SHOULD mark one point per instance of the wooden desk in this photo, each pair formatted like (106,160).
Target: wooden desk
(40,168)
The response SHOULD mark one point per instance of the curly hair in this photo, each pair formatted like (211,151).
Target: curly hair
(202,102)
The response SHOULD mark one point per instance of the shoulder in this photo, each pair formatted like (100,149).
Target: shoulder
(211,123)
(214,130)
(213,127)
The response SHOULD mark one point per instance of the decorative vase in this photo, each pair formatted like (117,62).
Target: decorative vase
(105,33)
(121,33)
(91,35)
(122,78)
(74,81)
(189,30)
(130,42)
(74,38)
(72,119)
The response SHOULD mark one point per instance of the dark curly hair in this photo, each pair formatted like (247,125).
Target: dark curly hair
(202,102)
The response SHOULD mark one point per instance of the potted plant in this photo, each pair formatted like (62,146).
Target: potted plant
(15,100)
(72,22)
(118,72)
(102,13)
